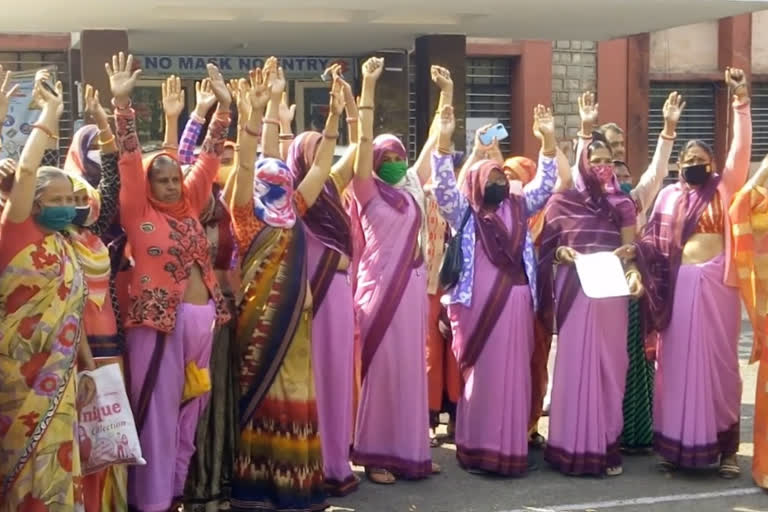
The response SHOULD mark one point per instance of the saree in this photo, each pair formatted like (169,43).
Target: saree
(42,296)
(749,217)
(278,463)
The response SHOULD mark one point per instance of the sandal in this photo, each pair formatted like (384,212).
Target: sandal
(434,442)
(436,469)
(664,466)
(380,476)
(614,471)
(729,470)
(537,441)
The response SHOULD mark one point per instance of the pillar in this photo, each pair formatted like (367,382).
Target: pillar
(450,52)
(96,48)
(531,85)
(734,50)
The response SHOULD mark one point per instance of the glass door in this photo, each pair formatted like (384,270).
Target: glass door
(312,100)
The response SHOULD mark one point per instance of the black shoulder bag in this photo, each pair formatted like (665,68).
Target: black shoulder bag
(453,259)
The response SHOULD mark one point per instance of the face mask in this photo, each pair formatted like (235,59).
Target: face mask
(55,218)
(604,172)
(626,187)
(696,174)
(495,193)
(94,156)
(81,215)
(392,172)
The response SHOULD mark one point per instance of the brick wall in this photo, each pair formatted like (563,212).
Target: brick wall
(573,71)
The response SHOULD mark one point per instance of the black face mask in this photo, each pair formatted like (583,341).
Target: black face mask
(495,193)
(696,174)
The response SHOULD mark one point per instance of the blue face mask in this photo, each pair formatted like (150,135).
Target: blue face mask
(81,215)
(56,218)
(626,187)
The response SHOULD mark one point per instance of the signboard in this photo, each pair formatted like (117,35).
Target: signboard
(22,113)
(193,66)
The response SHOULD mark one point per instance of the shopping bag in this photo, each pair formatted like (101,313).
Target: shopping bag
(106,429)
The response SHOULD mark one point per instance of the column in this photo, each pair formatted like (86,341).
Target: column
(450,52)
(531,85)
(734,50)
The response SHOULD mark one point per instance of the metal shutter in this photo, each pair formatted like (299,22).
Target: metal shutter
(58,61)
(759,121)
(412,149)
(488,85)
(698,120)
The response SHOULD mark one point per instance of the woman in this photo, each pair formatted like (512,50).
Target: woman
(42,292)
(591,363)
(391,303)
(697,394)
(749,219)
(491,308)
(279,464)
(175,298)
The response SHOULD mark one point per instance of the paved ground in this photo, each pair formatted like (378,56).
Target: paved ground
(641,488)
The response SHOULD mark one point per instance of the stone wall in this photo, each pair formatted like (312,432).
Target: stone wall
(574,70)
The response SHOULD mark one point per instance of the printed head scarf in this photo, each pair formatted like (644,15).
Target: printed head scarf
(327,218)
(273,193)
(180,208)
(524,168)
(77,157)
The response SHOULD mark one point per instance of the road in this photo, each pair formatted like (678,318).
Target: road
(640,488)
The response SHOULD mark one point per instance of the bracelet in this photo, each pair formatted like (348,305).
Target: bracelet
(196,118)
(583,136)
(46,131)
(365,107)
(251,132)
(351,120)
(445,152)
(108,141)
(666,137)
(273,122)
(130,104)
(286,136)
(329,136)
(549,154)
(363,138)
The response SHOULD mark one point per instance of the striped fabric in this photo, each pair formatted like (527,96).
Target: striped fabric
(638,396)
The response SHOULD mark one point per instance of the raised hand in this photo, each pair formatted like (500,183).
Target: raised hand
(286,113)
(442,77)
(588,108)
(257,89)
(204,97)
(122,80)
(278,82)
(673,108)
(337,98)
(219,87)
(544,121)
(372,68)
(242,101)
(6,93)
(173,97)
(737,82)
(48,99)
(93,106)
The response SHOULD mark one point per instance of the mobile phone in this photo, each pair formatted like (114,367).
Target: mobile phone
(48,87)
(327,77)
(497,132)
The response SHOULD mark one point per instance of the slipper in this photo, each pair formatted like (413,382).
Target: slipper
(729,471)
(380,476)
(537,441)
(436,469)
(664,466)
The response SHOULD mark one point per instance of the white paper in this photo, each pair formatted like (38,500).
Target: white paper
(601,275)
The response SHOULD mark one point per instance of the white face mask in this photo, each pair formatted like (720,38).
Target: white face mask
(94,155)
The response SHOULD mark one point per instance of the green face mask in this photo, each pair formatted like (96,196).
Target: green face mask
(392,172)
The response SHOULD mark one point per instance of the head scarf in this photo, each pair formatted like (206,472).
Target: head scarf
(91,252)
(593,188)
(327,218)
(273,193)
(77,157)
(501,246)
(180,208)
(524,168)
(226,169)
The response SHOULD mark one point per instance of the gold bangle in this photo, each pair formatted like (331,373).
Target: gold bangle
(583,136)
(365,107)
(444,151)
(45,130)
(274,122)
(666,137)
(110,140)
(549,154)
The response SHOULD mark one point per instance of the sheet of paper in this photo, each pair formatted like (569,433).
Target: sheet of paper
(601,275)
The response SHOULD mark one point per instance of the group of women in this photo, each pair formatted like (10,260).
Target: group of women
(276,284)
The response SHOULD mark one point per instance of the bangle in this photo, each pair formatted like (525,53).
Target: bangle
(444,151)
(286,136)
(583,136)
(130,104)
(273,122)
(196,118)
(108,141)
(549,154)
(363,138)
(251,132)
(351,120)
(667,137)
(330,136)
(45,130)
(365,107)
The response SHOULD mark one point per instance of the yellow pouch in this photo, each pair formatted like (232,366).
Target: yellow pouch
(197,381)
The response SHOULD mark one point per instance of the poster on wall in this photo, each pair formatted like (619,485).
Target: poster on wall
(474,124)
(22,114)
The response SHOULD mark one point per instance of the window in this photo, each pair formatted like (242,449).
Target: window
(488,99)
(759,121)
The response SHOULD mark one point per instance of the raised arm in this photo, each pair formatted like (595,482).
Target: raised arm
(450,200)
(22,196)
(737,163)
(133,179)
(372,69)
(276,79)
(653,178)
(205,100)
(258,94)
(286,114)
(313,183)
(479,152)
(173,105)
(6,93)
(243,104)
(109,180)
(538,191)
(343,170)
(198,182)
(442,78)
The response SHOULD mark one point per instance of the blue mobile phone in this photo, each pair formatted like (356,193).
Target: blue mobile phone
(497,132)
